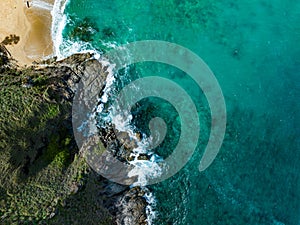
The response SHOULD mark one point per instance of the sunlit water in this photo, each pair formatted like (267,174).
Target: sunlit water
(253,49)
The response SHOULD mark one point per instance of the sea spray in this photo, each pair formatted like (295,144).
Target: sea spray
(64,48)
(59,20)
(142,168)
(151,205)
(122,122)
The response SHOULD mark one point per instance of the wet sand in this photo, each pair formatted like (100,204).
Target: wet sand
(32,25)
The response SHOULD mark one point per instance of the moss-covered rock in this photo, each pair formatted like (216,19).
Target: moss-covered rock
(39,162)
(44,179)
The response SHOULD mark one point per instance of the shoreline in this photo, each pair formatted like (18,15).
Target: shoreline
(31,26)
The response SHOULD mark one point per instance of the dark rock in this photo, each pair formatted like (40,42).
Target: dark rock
(4,56)
(143,157)
(131,208)
(128,206)
(74,188)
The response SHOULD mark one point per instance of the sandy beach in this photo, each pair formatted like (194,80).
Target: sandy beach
(33,27)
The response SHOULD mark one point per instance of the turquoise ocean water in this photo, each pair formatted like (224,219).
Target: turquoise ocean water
(253,48)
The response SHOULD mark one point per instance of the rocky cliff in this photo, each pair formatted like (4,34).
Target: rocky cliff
(44,179)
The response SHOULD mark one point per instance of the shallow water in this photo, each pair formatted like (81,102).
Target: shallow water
(253,50)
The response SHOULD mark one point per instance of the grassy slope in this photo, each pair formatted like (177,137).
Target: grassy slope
(40,170)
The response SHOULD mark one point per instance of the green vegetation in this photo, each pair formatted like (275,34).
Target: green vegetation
(57,152)
(42,178)
(11,39)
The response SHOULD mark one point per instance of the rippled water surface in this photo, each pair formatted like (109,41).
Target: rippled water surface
(253,49)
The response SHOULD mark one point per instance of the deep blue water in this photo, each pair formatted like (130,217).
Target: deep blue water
(253,49)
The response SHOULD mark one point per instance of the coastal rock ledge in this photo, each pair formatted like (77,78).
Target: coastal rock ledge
(45,179)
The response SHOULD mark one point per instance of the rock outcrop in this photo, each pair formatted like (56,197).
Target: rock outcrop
(45,178)
(126,205)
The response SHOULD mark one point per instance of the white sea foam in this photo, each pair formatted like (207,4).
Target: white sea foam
(59,20)
(41,5)
(109,79)
(64,48)
(111,44)
(143,169)
(122,121)
(151,204)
